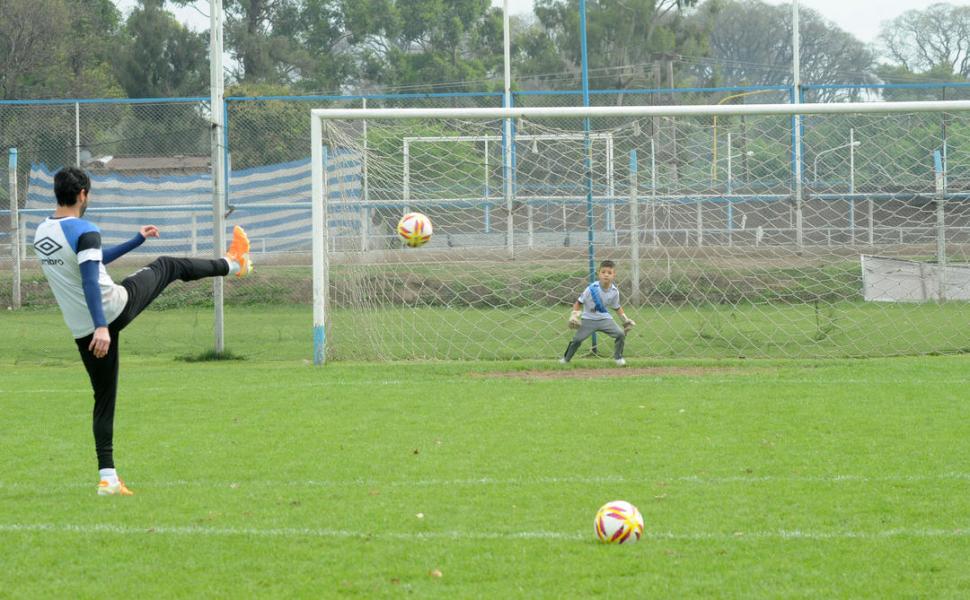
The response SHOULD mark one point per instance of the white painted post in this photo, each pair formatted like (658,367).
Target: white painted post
(14,226)
(634,231)
(218,157)
(318,219)
(365,207)
(852,185)
(407,176)
(653,191)
(77,134)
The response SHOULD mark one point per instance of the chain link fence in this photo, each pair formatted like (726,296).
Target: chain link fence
(707,187)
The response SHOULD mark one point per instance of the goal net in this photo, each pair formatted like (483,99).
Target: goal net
(737,230)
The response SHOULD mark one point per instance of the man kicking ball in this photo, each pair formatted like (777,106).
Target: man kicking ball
(96,309)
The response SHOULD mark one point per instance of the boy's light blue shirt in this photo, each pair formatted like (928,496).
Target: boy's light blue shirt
(610,299)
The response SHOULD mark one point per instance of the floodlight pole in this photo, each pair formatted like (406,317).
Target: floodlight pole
(218,157)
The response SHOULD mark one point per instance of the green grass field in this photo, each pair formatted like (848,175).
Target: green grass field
(268,477)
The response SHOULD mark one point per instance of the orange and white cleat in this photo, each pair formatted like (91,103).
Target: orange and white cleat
(239,251)
(113,489)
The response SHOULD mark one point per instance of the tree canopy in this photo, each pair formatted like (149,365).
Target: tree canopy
(87,48)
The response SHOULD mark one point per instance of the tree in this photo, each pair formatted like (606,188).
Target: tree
(622,36)
(262,52)
(160,57)
(323,62)
(417,43)
(750,44)
(937,38)
(30,49)
(90,48)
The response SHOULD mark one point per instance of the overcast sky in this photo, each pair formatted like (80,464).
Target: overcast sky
(862,18)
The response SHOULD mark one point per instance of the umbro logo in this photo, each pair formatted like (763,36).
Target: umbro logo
(47,246)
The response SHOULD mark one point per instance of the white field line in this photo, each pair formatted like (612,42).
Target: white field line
(794,534)
(248,386)
(756,379)
(488,481)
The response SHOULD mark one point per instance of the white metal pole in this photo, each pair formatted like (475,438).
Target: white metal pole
(365,209)
(487,226)
(531,225)
(507,161)
(611,215)
(218,161)
(872,227)
(797,123)
(613,112)
(14,225)
(700,222)
(940,223)
(507,47)
(407,176)
(634,231)
(851,185)
(730,190)
(77,134)
(653,191)
(318,219)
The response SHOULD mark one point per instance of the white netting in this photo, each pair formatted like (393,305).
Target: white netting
(708,207)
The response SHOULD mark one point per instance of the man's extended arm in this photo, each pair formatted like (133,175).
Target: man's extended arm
(115,252)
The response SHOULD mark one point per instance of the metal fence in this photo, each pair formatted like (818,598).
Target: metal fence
(728,183)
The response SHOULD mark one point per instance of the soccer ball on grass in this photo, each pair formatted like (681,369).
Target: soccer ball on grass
(618,522)
(415,229)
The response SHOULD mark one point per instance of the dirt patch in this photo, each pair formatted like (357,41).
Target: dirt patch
(589,373)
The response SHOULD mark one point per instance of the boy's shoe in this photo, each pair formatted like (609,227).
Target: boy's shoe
(563,361)
(239,251)
(621,362)
(116,489)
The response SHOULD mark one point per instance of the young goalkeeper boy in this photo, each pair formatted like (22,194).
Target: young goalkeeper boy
(590,314)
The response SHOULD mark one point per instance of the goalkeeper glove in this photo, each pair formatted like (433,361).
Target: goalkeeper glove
(574,319)
(628,324)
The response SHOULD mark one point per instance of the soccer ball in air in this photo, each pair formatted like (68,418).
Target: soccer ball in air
(618,522)
(415,229)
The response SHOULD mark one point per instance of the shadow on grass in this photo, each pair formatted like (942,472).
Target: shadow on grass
(209,356)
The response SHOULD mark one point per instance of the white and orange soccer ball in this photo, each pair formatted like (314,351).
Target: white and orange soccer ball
(415,229)
(618,522)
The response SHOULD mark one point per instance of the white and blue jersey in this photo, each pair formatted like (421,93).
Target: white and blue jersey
(596,301)
(62,245)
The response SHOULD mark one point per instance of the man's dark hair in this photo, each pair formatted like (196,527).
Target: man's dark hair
(68,183)
(607,264)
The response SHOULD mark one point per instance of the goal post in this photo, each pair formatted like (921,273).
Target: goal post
(701,220)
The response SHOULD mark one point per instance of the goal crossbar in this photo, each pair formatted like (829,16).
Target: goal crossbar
(640,111)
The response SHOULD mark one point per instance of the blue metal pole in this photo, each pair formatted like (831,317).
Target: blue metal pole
(587,150)
(586,142)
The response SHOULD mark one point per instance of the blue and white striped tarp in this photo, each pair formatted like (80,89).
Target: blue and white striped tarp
(180,205)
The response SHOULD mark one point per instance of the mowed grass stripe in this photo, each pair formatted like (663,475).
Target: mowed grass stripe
(477,535)
(489,481)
